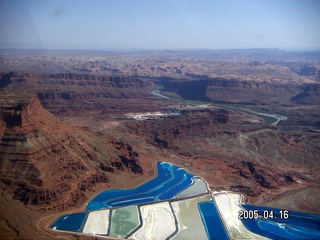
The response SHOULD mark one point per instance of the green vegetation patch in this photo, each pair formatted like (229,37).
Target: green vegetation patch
(123,221)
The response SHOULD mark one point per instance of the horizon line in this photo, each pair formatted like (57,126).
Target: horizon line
(162,49)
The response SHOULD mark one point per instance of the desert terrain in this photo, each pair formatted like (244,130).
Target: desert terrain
(74,123)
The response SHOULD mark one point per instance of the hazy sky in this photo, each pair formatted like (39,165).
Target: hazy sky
(160,24)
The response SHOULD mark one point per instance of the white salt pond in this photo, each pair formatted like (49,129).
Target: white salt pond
(228,204)
(158,222)
(198,187)
(97,222)
(150,115)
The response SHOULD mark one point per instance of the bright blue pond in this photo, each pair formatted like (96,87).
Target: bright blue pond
(298,225)
(298,218)
(177,177)
(69,222)
(212,222)
(170,193)
(170,179)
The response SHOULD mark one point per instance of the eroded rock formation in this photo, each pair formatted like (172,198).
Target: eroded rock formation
(264,177)
(48,164)
(165,132)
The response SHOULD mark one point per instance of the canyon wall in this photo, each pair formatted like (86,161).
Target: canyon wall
(238,91)
(48,164)
(71,86)
(310,95)
(222,90)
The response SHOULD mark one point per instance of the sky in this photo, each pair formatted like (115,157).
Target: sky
(160,24)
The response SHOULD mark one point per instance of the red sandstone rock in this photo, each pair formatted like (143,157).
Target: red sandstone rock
(49,164)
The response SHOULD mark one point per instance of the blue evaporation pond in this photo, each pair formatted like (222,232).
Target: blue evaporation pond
(178,176)
(164,173)
(168,177)
(151,195)
(298,225)
(212,222)
(174,190)
(69,222)
(307,220)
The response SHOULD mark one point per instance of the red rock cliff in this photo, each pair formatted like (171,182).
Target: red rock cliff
(48,164)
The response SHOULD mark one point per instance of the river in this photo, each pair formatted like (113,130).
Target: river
(275,116)
(157,93)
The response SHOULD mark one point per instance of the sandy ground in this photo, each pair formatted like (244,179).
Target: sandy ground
(158,222)
(97,222)
(228,206)
(149,115)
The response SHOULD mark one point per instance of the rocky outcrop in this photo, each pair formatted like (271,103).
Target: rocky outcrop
(167,132)
(48,164)
(128,159)
(264,177)
(310,95)
(309,69)
(23,113)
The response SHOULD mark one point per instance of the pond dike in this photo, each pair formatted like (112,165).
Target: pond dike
(179,205)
